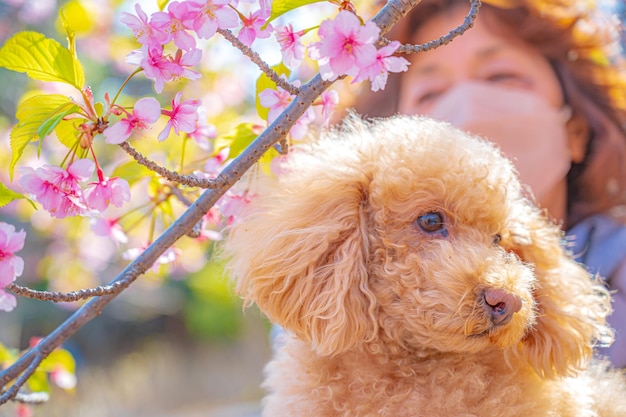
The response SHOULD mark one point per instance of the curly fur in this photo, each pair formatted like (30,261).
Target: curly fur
(386,319)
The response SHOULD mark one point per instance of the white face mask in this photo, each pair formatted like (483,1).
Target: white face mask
(528,129)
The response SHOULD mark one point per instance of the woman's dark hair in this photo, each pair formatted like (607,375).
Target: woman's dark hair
(583,53)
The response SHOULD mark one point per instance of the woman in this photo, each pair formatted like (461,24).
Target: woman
(534,76)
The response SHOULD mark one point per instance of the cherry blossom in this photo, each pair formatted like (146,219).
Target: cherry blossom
(277,101)
(56,189)
(155,65)
(183,116)
(146,33)
(254,26)
(146,112)
(172,24)
(384,63)
(212,15)
(11,265)
(106,227)
(345,46)
(170,255)
(328,100)
(99,195)
(291,46)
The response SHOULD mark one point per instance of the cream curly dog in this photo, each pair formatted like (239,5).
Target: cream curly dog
(415,279)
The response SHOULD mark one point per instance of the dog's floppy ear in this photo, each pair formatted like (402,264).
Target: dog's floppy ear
(571,305)
(300,254)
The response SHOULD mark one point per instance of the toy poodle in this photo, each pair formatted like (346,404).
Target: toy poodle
(414,277)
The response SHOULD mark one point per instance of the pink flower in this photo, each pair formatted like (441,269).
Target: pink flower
(203,131)
(275,100)
(253,27)
(11,266)
(155,66)
(291,46)
(56,189)
(63,379)
(145,33)
(182,61)
(99,195)
(172,24)
(345,45)
(212,15)
(214,165)
(108,228)
(146,112)
(183,116)
(329,100)
(384,63)
(170,255)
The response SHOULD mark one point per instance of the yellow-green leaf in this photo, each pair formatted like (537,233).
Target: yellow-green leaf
(67,133)
(31,114)
(58,358)
(6,196)
(132,172)
(280,7)
(237,139)
(41,58)
(263,83)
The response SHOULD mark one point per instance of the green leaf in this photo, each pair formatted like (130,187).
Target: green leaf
(67,133)
(132,172)
(38,382)
(280,7)
(6,196)
(55,118)
(31,114)
(42,59)
(237,139)
(263,83)
(58,358)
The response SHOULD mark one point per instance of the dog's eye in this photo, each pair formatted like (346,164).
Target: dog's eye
(497,239)
(431,222)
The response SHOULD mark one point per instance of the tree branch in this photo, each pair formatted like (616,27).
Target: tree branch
(189,180)
(468,22)
(255,58)
(28,362)
(59,297)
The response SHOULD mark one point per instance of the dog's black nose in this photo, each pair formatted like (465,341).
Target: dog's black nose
(501,305)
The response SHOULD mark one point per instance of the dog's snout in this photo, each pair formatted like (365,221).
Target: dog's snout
(501,305)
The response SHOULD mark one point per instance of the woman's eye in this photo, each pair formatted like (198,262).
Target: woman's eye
(427,97)
(431,222)
(508,78)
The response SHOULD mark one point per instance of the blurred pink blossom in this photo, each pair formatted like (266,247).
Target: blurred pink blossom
(11,266)
(291,46)
(146,112)
(106,227)
(183,116)
(275,100)
(328,100)
(345,45)
(99,195)
(212,15)
(384,63)
(170,255)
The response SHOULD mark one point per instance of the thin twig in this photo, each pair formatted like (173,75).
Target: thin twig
(13,390)
(61,297)
(468,22)
(189,180)
(256,59)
